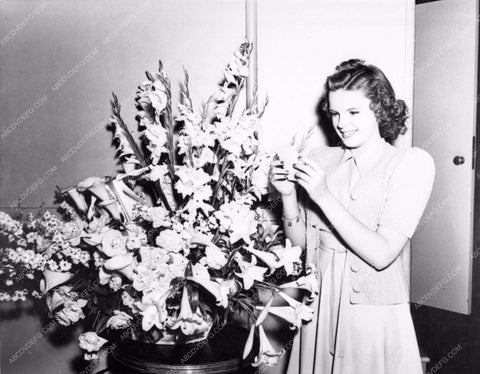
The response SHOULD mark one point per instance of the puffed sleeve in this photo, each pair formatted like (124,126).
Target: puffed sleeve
(408,191)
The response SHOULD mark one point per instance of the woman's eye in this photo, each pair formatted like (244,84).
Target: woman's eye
(353,112)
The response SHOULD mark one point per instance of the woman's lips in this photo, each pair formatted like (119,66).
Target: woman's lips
(347,134)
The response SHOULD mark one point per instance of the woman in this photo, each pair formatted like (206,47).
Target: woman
(363,201)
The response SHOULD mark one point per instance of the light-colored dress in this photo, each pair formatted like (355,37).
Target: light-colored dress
(357,328)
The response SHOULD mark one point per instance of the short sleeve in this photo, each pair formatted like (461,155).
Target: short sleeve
(408,192)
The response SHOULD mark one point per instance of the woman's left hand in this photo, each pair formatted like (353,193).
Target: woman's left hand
(311,177)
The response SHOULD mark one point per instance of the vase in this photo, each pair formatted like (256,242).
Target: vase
(219,352)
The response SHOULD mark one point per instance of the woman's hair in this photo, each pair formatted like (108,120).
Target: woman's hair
(354,74)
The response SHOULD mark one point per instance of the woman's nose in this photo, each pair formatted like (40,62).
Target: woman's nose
(342,122)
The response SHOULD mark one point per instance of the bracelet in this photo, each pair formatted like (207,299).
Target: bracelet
(289,221)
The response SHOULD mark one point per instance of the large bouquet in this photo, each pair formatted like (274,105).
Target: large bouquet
(174,243)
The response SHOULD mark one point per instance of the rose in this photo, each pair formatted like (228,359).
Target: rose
(154,257)
(215,258)
(120,320)
(178,265)
(170,240)
(127,299)
(71,312)
(133,242)
(113,243)
(159,216)
(115,282)
(91,342)
(72,231)
(143,279)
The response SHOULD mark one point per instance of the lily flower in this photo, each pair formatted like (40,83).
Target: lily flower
(295,313)
(77,198)
(288,255)
(249,272)
(270,259)
(103,276)
(53,279)
(249,343)
(267,354)
(151,316)
(122,263)
(188,321)
(308,282)
(264,312)
(126,198)
(219,288)
(97,186)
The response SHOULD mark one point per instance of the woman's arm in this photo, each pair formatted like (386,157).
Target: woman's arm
(407,195)
(377,248)
(293,222)
(294,225)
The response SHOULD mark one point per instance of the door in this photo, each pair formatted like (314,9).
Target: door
(444,120)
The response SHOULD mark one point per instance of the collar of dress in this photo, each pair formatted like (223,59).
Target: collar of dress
(367,157)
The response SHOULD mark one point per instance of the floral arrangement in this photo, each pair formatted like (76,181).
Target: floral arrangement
(174,243)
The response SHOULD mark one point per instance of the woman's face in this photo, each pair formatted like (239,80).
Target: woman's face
(352,118)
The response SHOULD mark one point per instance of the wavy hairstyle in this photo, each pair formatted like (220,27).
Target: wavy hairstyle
(354,74)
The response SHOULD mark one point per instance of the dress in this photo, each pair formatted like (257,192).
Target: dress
(356,337)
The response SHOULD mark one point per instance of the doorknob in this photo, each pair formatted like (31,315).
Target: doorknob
(458,160)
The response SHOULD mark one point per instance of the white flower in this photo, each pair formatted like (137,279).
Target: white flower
(64,265)
(115,282)
(189,322)
(288,256)
(193,181)
(73,231)
(188,115)
(295,313)
(259,178)
(143,278)
(157,138)
(159,216)
(133,242)
(155,258)
(238,220)
(91,342)
(249,272)
(32,237)
(171,241)
(152,314)
(215,257)
(178,265)
(123,263)
(113,243)
(267,355)
(120,320)
(308,282)
(128,300)
(158,100)
(71,312)
(52,278)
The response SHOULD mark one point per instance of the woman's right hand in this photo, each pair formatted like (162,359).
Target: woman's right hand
(278,178)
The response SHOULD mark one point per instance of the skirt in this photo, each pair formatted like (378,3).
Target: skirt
(345,338)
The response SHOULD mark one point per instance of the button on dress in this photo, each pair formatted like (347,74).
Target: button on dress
(356,338)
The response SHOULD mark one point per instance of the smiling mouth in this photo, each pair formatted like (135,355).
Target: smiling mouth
(347,134)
